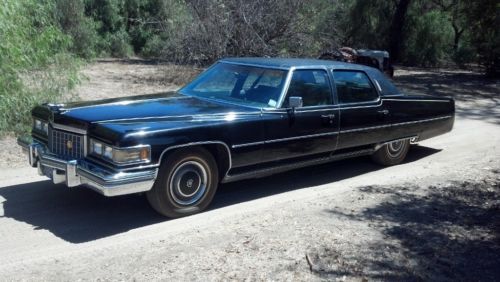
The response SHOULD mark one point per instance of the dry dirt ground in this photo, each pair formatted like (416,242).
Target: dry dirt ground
(435,217)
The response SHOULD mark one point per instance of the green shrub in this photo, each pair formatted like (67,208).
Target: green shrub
(428,42)
(154,47)
(465,54)
(81,29)
(119,44)
(35,65)
(115,45)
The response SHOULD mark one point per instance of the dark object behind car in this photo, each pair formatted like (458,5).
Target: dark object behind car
(242,118)
(373,58)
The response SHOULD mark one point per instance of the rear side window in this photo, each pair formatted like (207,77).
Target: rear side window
(312,86)
(354,87)
(386,87)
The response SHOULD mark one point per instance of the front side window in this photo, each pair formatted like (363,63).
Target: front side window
(312,86)
(252,86)
(354,87)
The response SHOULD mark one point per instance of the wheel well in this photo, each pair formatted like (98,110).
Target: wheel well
(220,152)
(222,157)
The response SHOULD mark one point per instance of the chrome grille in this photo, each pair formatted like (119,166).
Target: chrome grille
(66,145)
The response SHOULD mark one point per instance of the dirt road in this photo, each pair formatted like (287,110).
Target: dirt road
(437,216)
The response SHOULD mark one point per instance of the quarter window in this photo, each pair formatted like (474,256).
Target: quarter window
(354,87)
(312,86)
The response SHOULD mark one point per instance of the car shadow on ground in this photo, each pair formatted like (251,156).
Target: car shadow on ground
(79,215)
(449,232)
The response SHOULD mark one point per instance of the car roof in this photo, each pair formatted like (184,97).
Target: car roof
(287,63)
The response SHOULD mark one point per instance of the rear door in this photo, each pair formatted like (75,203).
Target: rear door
(364,119)
(309,130)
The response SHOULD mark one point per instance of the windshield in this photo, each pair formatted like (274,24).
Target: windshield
(250,86)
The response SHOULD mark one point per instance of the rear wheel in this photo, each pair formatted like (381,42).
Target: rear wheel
(186,183)
(392,153)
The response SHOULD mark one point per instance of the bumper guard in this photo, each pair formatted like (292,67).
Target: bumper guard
(80,172)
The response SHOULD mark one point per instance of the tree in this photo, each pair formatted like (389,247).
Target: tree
(397,25)
(483,18)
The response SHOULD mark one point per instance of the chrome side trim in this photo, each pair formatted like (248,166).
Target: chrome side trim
(393,125)
(302,110)
(335,133)
(282,168)
(230,165)
(416,100)
(316,110)
(248,144)
(365,128)
(347,106)
(222,115)
(284,139)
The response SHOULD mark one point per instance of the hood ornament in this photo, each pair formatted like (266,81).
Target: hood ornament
(56,108)
(69,145)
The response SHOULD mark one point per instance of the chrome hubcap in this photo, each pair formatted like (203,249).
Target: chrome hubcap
(188,183)
(394,149)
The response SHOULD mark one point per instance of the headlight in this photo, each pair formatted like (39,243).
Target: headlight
(131,155)
(41,126)
(38,124)
(108,152)
(95,147)
(45,128)
(120,155)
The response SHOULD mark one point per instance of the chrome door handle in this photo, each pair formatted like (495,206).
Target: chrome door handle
(330,116)
(384,112)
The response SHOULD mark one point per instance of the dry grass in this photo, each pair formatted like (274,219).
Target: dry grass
(179,75)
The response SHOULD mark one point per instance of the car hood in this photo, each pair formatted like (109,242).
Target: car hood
(155,107)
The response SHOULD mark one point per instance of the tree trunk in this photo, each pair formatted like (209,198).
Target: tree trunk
(397,25)
(457,35)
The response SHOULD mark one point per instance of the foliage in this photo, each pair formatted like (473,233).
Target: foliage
(82,29)
(483,17)
(428,42)
(368,24)
(417,32)
(41,38)
(35,66)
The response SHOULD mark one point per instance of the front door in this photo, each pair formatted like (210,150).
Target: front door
(308,130)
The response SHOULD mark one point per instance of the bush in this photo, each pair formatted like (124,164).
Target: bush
(81,29)
(428,42)
(119,44)
(35,65)
(464,55)
(154,47)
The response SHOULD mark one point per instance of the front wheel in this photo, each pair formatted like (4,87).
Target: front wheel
(392,153)
(186,183)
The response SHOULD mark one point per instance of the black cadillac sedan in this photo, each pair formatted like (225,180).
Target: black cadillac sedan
(241,118)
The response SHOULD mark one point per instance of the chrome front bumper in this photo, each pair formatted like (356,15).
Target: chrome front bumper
(74,173)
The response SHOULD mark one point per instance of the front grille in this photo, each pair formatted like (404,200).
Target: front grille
(66,145)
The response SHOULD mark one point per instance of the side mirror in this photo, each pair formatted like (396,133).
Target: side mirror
(295,102)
